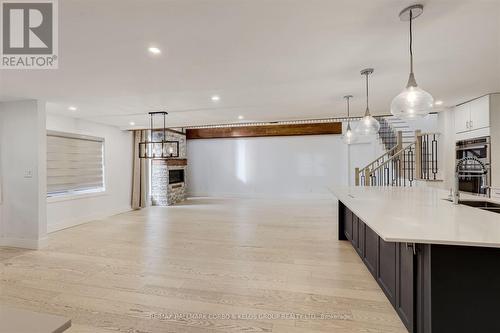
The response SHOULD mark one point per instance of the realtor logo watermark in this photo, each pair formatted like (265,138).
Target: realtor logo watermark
(29,37)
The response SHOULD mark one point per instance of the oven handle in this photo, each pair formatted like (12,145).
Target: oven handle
(470,148)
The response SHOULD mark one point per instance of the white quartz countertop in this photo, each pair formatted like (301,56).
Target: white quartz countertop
(421,215)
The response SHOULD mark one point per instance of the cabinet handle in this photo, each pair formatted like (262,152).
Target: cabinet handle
(413,247)
(471,124)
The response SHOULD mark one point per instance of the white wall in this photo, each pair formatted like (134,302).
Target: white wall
(364,151)
(427,124)
(446,149)
(495,141)
(23,174)
(293,166)
(63,213)
(361,154)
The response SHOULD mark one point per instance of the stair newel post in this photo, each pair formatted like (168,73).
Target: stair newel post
(356,176)
(418,154)
(367,177)
(399,141)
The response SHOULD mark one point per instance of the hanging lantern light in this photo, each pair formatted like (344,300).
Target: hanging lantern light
(349,136)
(156,146)
(368,125)
(412,102)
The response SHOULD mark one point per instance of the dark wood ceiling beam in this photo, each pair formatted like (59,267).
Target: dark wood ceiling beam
(264,130)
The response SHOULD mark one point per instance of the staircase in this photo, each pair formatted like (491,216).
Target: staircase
(390,127)
(410,156)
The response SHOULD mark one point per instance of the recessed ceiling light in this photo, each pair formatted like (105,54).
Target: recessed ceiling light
(438,102)
(131,123)
(154,50)
(72,108)
(215,98)
(241,117)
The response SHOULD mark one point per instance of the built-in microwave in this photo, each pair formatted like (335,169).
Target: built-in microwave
(479,149)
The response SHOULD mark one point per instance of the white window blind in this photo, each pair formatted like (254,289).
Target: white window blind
(75,163)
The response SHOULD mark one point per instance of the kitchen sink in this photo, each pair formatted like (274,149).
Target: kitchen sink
(484,205)
(480,204)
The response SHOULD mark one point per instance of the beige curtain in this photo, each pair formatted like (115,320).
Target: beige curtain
(140,177)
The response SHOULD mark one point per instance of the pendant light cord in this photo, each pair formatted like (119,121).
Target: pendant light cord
(348,112)
(411,42)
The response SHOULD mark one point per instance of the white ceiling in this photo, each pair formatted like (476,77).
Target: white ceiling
(266,59)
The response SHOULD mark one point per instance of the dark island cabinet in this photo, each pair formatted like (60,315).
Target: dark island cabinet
(346,225)
(387,266)
(360,244)
(433,288)
(355,234)
(370,256)
(391,264)
(405,284)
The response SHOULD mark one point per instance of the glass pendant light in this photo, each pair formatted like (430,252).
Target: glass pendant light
(412,102)
(349,136)
(368,125)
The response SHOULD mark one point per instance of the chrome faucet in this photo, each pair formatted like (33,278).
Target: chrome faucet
(461,167)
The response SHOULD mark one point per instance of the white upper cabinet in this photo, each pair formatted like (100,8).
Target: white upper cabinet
(473,115)
(462,118)
(480,112)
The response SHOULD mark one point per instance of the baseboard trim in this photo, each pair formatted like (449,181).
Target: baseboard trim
(299,196)
(61,225)
(24,243)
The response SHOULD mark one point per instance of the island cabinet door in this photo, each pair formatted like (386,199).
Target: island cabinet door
(360,245)
(386,273)
(348,223)
(354,231)
(405,285)
(370,256)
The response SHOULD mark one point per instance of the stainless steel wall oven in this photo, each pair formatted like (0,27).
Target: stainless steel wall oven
(479,149)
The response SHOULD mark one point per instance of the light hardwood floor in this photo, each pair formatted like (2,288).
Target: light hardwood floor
(186,268)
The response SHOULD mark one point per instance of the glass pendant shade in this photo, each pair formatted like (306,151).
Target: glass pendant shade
(349,136)
(412,102)
(368,125)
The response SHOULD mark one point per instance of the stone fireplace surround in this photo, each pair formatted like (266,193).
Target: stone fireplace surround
(162,192)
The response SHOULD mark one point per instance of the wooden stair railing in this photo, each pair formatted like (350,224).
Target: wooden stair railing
(399,170)
(402,166)
(361,173)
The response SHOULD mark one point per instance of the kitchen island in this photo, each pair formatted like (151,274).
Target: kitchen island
(437,263)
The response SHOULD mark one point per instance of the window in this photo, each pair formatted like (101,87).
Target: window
(75,164)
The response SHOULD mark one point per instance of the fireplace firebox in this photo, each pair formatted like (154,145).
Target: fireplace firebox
(176,176)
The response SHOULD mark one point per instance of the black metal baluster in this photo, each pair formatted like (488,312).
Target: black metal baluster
(404,168)
(391,172)
(424,157)
(427,158)
(398,170)
(411,166)
(386,175)
(434,157)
